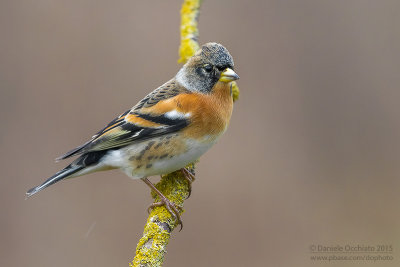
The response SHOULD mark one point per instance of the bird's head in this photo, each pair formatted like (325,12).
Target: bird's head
(212,63)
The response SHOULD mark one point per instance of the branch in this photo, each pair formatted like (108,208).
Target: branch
(157,231)
(189,33)
(151,248)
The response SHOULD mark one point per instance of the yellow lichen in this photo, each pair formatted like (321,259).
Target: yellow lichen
(151,248)
(189,32)
(235,91)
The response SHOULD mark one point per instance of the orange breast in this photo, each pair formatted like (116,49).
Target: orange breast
(209,113)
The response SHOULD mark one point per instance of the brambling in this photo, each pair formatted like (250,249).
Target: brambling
(168,129)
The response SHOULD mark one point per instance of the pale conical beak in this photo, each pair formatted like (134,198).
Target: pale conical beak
(228,75)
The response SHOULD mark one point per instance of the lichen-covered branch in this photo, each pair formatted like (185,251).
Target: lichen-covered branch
(160,223)
(189,32)
(151,248)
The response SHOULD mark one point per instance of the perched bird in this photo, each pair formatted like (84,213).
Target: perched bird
(168,129)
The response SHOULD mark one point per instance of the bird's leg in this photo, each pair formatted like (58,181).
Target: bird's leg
(189,177)
(170,206)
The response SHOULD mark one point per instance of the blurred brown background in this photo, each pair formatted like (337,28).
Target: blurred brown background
(311,155)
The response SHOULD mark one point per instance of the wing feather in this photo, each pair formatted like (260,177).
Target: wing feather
(136,125)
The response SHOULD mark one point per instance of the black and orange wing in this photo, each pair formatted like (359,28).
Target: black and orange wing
(135,125)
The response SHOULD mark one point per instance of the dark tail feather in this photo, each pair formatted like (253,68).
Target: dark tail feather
(80,163)
(64,173)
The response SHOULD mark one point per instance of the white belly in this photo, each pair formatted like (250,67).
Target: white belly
(156,156)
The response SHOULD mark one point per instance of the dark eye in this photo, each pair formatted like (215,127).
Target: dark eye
(208,67)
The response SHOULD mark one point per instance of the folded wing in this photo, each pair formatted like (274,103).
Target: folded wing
(136,125)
